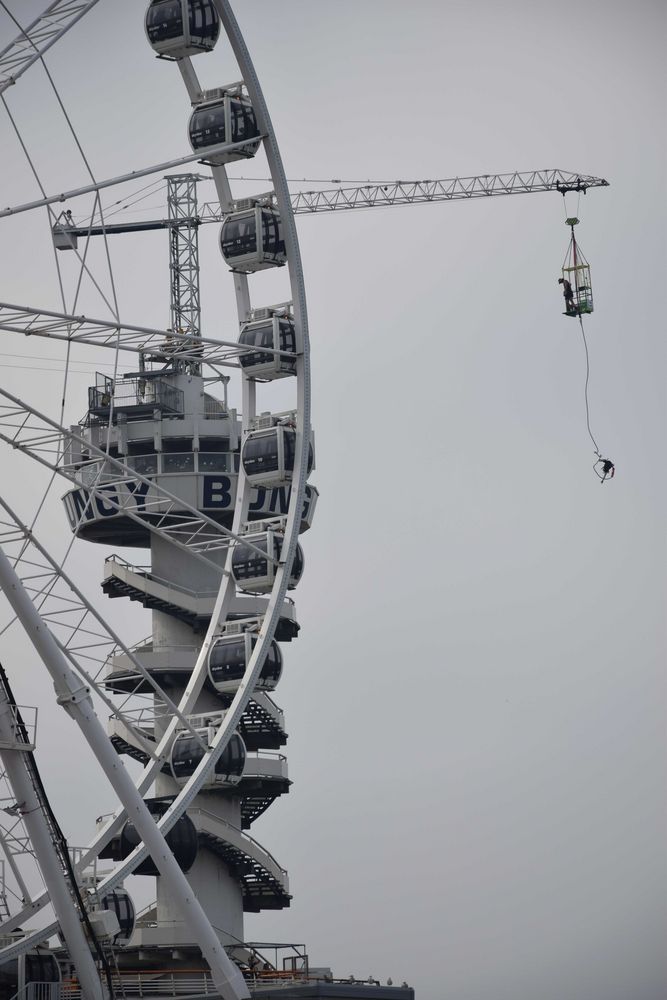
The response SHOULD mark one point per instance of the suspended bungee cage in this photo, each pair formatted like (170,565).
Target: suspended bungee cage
(576,270)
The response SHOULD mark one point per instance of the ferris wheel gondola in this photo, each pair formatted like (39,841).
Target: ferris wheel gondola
(224,116)
(257,558)
(276,331)
(267,453)
(177,29)
(252,239)
(229,658)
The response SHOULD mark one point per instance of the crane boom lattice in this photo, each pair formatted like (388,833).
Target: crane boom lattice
(372,196)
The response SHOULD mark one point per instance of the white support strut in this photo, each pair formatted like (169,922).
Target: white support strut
(164,344)
(47,858)
(156,168)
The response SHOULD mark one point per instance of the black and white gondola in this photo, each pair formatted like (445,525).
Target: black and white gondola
(267,453)
(272,328)
(255,571)
(120,903)
(225,115)
(230,655)
(181,840)
(251,237)
(177,29)
(187,754)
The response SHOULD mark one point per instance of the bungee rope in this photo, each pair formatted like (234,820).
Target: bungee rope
(607,469)
(578,301)
(588,375)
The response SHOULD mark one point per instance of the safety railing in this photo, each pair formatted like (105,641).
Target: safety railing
(12,937)
(188,982)
(168,984)
(236,833)
(214,408)
(141,395)
(24,732)
(41,991)
(146,572)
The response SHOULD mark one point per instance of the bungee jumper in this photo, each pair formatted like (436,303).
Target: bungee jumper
(578,295)
(568,295)
(607,469)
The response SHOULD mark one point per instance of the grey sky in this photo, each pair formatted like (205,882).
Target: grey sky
(476,701)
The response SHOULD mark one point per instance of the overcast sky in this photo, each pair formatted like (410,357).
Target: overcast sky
(476,701)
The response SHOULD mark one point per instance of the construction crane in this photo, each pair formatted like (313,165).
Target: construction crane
(184,217)
(366,196)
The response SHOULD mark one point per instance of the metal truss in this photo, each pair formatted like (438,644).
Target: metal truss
(184,254)
(158,345)
(38,37)
(80,630)
(451,189)
(379,196)
(14,843)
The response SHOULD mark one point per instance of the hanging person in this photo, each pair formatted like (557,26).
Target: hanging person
(568,295)
(608,469)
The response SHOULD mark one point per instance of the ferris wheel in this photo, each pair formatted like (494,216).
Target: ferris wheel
(161,463)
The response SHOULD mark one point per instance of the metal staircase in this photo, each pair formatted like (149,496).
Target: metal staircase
(261,726)
(264,883)
(124,580)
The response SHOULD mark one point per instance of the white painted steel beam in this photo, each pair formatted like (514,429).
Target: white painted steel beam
(156,168)
(46,854)
(164,344)
(82,607)
(37,38)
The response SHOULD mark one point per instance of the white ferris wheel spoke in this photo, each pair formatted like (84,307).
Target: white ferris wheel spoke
(38,37)
(76,603)
(156,168)
(165,344)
